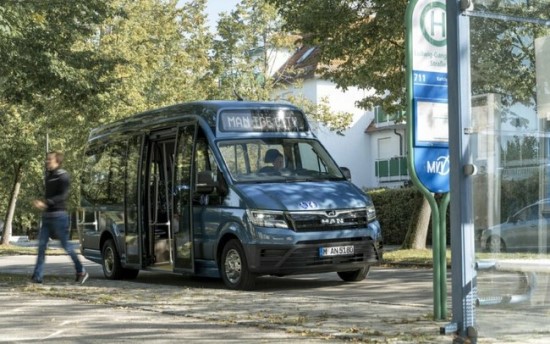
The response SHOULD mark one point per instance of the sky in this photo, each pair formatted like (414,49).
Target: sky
(214,7)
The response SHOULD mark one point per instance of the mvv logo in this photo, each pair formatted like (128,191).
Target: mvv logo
(439,166)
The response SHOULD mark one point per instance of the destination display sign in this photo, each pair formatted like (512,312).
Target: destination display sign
(262,121)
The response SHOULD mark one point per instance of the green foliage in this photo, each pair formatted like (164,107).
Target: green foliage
(518,149)
(321,113)
(362,42)
(503,54)
(394,209)
(165,53)
(516,194)
(49,82)
(40,59)
(249,39)
(67,69)
(21,147)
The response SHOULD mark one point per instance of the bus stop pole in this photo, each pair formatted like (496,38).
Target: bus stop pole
(444,203)
(464,288)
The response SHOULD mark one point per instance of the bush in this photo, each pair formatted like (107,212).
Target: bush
(394,208)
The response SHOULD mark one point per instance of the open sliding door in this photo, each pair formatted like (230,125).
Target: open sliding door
(182,199)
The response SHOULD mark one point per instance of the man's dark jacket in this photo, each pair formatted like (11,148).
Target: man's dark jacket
(57,190)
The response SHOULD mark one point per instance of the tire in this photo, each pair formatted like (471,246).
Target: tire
(495,244)
(112,269)
(355,275)
(234,267)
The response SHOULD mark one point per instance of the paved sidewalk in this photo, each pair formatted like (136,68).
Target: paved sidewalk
(35,318)
(392,306)
(165,307)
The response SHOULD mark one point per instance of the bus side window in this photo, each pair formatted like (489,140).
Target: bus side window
(237,160)
(103,182)
(204,162)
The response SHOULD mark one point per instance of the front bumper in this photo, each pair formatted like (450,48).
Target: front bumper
(304,257)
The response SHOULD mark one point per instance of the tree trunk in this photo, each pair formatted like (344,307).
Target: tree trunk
(417,233)
(6,235)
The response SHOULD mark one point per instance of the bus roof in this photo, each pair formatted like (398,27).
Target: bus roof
(207,110)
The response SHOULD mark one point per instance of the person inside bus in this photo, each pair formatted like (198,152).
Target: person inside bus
(274,157)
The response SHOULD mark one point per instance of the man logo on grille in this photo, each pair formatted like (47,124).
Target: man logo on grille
(332,221)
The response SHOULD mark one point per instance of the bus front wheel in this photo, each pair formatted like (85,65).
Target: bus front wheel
(355,275)
(234,267)
(112,269)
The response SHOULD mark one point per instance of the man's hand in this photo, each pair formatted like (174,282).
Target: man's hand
(39,204)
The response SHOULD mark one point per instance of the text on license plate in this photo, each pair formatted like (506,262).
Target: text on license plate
(335,251)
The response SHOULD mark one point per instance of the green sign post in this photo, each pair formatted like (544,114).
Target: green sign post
(427,125)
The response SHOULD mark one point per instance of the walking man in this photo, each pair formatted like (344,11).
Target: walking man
(55,220)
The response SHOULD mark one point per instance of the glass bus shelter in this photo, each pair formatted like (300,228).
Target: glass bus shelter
(499,142)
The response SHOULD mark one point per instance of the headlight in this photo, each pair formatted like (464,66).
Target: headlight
(262,218)
(371,213)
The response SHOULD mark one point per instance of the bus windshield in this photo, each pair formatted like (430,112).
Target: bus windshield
(278,160)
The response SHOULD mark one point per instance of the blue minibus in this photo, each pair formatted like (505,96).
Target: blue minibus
(229,189)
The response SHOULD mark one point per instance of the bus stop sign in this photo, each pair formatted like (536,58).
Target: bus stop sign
(428,95)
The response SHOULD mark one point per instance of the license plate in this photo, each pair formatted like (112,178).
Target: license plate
(335,251)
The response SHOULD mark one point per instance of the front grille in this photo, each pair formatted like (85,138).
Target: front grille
(328,220)
(307,255)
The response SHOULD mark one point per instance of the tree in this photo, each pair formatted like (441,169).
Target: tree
(166,54)
(47,80)
(503,57)
(519,149)
(249,40)
(113,61)
(417,232)
(40,58)
(366,38)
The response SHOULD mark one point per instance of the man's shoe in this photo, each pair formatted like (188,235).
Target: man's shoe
(82,277)
(36,280)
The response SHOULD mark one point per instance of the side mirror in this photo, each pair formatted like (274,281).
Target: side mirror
(206,182)
(346,172)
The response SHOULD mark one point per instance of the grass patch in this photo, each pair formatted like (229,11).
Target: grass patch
(15,250)
(17,280)
(13,279)
(412,257)
(424,257)
(11,250)
(394,257)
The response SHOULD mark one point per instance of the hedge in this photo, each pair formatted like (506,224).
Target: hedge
(394,207)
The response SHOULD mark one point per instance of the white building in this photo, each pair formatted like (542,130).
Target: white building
(373,148)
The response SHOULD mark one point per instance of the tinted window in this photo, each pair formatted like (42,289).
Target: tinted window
(278,160)
(103,179)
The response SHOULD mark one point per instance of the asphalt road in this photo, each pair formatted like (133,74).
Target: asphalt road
(413,286)
(393,305)
(307,308)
